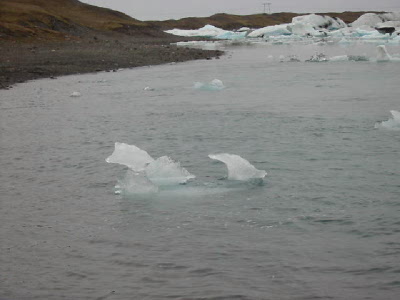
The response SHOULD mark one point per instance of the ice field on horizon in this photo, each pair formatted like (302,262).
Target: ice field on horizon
(370,27)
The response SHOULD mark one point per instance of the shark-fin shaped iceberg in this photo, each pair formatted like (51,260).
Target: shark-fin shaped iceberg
(238,168)
(131,156)
(393,123)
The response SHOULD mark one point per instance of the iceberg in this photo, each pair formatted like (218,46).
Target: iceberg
(320,22)
(209,31)
(75,94)
(383,55)
(275,30)
(146,174)
(318,57)
(392,124)
(238,168)
(304,29)
(214,85)
(135,183)
(165,171)
(131,156)
(374,20)
(368,19)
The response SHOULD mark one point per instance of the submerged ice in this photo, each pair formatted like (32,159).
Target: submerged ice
(392,124)
(238,168)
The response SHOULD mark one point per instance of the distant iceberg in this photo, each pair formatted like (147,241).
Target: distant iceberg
(238,168)
(214,85)
(275,30)
(391,124)
(383,55)
(369,27)
(373,20)
(209,31)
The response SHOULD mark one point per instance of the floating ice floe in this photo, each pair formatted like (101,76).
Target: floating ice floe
(131,156)
(165,171)
(214,85)
(209,31)
(349,58)
(391,124)
(75,94)
(146,174)
(238,168)
(318,57)
(383,55)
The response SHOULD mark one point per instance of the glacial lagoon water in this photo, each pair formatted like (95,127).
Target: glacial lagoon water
(324,225)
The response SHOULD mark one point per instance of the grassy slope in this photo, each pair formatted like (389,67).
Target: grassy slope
(32,18)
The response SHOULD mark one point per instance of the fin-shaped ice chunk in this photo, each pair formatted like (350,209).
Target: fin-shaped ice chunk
(238,167)
(393,123)
(135,183)
(383,55)
(165,171)
(130,156)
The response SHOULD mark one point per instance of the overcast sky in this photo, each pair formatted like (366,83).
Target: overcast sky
(174,9)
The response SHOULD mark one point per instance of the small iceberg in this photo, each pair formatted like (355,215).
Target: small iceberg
(318,57)
(349,58)
(215,85)
(75,94)
(383,55)
(239,168)
(165,171)
(131,156)
(145,174)
(135,183)
(392,124)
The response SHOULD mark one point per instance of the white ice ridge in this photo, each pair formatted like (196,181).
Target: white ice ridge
(215,85)
(393,123)
(238,167)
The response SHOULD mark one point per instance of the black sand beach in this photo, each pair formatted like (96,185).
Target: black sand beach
(23,61)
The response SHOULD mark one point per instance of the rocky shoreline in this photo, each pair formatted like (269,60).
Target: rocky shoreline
(23,61)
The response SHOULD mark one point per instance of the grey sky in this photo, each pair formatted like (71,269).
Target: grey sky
(168,9)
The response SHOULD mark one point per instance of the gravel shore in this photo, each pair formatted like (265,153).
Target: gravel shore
(23,61)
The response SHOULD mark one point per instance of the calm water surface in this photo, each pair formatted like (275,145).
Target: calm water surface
(324,226)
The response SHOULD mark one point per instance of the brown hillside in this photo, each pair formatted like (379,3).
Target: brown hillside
(55,18)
